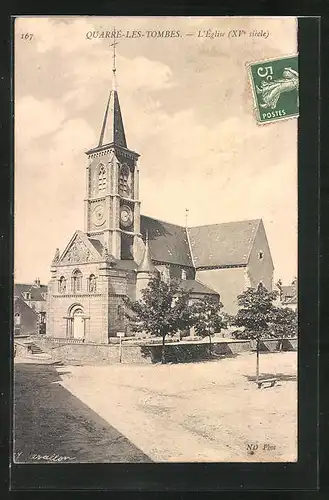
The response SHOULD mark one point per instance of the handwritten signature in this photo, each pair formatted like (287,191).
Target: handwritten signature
(54,457)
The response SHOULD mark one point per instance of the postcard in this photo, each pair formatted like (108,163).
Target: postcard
(156,288)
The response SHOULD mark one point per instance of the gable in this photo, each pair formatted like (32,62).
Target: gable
(220,245)
(260,246)
(80,250)
(260,263)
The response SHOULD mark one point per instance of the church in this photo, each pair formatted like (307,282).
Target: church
(120,249)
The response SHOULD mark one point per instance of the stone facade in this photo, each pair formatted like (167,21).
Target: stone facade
(85,298)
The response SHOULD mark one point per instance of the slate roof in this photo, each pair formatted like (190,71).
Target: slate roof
(20,307)
(168,242)
(289,294)
(196,287)
(226,244)
(112,128)
(97,245)
(36,292)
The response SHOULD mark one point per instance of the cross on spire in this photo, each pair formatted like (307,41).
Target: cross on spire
(186,216)
(114,44)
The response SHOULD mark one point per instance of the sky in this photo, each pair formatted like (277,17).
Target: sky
(187,109)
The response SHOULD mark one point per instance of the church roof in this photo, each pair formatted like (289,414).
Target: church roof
(112,131)
(214,245)
(194,286)
(168,242)
(218,245)
(226,244)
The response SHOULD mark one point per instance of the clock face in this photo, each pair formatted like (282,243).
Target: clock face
(98,215)
(126,216)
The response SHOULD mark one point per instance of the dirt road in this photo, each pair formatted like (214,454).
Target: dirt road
(211,411)
(52,425)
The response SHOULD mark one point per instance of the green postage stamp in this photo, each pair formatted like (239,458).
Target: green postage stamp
(275,85)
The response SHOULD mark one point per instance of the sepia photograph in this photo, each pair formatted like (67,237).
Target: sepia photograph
(155,308)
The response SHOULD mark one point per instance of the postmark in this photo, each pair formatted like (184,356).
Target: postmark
(275,86)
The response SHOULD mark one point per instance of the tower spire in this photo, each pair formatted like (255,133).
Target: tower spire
(112,128)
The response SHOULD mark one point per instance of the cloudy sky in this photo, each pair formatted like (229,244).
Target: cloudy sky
(187,109)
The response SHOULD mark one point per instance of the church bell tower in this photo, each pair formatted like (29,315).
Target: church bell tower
(112,206)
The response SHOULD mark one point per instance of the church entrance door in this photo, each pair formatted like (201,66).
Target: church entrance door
(78,324)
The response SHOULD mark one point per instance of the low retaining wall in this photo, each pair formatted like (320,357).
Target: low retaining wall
(184,352)
(274,345)
(92,353)
(175,352)
(290,345)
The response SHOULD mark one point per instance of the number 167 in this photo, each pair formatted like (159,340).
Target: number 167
(27,36)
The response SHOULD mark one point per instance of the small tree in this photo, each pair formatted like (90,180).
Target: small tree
(255,314)
(284,323)
(163,309)
(207,319)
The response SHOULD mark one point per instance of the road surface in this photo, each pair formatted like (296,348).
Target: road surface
(52,425)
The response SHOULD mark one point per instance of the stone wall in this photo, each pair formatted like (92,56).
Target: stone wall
(92,353)
(184,352)
(274,345)
(176,352)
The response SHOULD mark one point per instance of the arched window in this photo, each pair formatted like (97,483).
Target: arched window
(260,255)
(76,281)
(92,283)
(102,179)
(123,180)
(62,285)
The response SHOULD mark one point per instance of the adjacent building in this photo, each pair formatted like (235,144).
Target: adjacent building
(30,302)
(288,295)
